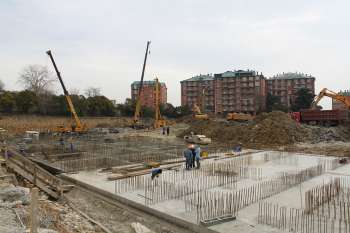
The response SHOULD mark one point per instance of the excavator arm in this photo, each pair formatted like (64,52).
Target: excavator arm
(196,109)
(78,124)
(325,92)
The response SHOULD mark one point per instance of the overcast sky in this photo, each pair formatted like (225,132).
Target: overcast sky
(102,43)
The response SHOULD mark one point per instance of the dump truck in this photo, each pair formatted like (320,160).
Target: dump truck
(321,117)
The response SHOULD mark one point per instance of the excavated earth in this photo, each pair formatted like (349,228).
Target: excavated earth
(267,130)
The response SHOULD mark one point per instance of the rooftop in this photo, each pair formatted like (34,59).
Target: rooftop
(151,82)
(238,73)
(345,92)
(291,75)
(201,77)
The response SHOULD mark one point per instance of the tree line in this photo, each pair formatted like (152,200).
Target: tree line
(38,98)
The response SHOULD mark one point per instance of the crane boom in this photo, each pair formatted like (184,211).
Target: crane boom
(325,92)
(138,101)
(77,121)
(158,119)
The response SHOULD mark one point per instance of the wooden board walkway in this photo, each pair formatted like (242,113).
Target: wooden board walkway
(38,176)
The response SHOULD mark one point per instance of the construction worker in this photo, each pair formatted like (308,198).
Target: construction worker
(156,172)
(188,156)
(193,150)
(70,140)
(197,152)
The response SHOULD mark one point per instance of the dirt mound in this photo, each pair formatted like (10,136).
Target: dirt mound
(267,129)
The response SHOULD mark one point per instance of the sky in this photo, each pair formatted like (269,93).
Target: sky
(102,43)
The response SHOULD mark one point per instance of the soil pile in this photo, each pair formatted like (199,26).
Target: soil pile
(267,129)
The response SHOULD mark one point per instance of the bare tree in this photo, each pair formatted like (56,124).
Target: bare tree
(74,91)
(36,78)
(92,92)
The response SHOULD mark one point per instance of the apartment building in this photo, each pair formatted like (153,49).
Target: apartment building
(231,91)
(286,85)
(199,90)
(240,91)
(148,93)
(338,104)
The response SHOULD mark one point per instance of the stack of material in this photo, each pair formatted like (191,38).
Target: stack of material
(138,169)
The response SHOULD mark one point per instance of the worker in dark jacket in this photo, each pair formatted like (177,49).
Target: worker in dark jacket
(156,172)
(197,152)
(193,150)
(188,156)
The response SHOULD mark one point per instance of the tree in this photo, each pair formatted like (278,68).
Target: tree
(183,110)
(303,100)
(168,110)
(74,91)
(100,106)
(7,102)
(273,103)
(36,78)
(25,100)
(128,108)
(92,92)
(2,86)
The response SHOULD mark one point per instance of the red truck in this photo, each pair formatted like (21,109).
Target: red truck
(321,117)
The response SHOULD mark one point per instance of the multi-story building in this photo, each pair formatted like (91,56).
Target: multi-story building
(232,91)
(199,90)
(286,85)
(240,91)
(338,104)
(148,93)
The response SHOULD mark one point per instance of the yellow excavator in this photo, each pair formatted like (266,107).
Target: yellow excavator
(198,115)
(325,92)
(76,125)
(136,123)
(159,121)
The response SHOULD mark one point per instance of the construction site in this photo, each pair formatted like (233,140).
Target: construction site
(244,172)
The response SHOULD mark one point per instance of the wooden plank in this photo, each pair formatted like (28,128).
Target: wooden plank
(34,210)
(30,178)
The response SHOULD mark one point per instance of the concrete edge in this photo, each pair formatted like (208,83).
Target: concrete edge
(164,216)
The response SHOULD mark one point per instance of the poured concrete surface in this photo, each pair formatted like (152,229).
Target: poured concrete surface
(247,217)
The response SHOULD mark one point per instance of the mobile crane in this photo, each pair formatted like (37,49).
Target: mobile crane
(325,92)
(136,123)
(159,121)
(76,126)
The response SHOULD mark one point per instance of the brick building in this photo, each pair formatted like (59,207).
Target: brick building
(231,91)
(240,91)
(199,90)
(286,85)
(148,93)
(339,105)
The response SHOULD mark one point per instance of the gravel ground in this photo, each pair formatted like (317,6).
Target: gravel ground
(118,218)
(8,221)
